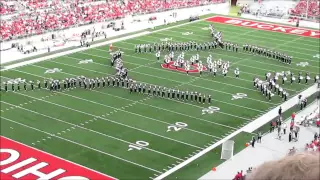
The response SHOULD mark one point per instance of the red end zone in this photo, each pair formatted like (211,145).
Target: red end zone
(266,26)
(19,161)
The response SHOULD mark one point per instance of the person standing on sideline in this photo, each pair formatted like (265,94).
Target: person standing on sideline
(290,137)
(271,126)
(259,137)
(280,111)
(284,127)
(279,132)
(253,141)
(291,125)
(293,115)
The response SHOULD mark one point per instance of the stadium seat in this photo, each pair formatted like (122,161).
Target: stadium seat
(301,8)
(40,16)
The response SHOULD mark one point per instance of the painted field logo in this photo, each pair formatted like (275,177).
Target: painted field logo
(210,110)
(238,96)
(86,61)
(23,162)
(193,68)
(303,64)
(317,56)
(54,70)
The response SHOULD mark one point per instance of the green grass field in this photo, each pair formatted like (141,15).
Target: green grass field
(95,127)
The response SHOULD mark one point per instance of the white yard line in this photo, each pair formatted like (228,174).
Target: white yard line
(195,78)
(106,119)
(87,129)
(118,109)
(82,145)
(134,113)
(248,128)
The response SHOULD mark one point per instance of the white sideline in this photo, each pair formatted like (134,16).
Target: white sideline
(248,128)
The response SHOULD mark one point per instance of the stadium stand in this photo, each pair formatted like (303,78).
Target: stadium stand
(314,145)
(306,9)
(268,8)
(303,8)
(40,16)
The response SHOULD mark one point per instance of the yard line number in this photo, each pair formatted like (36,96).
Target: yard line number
(303,64)
(238,96)
(177,126)
(138,145)
(187,33)
(54,70)
(86,61)
(210,110)
(166,39)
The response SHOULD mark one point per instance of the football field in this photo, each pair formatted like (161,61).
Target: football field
(135,136)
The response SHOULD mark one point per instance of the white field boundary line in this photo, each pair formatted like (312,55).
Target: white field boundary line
(56,157)
(248,128)
(79,144)
(93,46)
(90,130)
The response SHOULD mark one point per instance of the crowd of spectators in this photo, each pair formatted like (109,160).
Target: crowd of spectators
(39,16)
(302,8)
(314,145)
(241,176)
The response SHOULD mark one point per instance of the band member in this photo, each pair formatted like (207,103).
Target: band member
(280,90)
(187,68)
(192,60)
(269,95)
(200,68)
(176,64)
(210,66)
(219,63)
(110,48)
(224,72)
(307,77)
(316,78)
(158,56)
(299,77)
(237,72)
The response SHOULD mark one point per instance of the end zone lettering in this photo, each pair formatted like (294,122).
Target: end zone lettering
(266,26)
(19,161)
